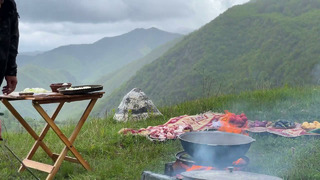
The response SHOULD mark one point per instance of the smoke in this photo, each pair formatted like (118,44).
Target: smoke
(315,73)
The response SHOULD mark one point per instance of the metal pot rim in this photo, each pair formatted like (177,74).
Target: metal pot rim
(215,132)
(203,175)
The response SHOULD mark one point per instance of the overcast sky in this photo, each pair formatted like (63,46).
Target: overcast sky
(47,24)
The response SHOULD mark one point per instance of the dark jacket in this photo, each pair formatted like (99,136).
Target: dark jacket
(9,39)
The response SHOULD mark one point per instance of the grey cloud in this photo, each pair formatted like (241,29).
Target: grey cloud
(46,24)
(98,11)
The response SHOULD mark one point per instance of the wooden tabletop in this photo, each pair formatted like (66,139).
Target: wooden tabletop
(51,97)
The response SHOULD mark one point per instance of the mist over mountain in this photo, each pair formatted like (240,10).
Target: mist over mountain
(85,63)
(114,80)
(261,44)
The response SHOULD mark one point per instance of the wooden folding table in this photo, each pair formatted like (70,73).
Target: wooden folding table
(50,98)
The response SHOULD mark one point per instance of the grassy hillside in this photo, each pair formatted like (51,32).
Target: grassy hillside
(261,44)
(113,156)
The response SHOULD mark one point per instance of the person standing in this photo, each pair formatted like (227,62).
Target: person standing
(9,40)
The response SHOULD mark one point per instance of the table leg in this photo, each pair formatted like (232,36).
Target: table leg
(66,141)
(26,126)
(41,137)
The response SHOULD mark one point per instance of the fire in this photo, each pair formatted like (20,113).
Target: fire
(195,168)
(233,123)
(239,162)
(206,168)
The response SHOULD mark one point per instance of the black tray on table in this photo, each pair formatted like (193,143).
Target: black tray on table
(83,89)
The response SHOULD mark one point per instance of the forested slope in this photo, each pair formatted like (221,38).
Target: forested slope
(261,44)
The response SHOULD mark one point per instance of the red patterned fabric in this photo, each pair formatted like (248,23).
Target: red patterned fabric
(294,132)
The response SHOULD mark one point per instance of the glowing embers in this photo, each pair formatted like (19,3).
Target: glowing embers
(197,168)
(184,163)
(236,165)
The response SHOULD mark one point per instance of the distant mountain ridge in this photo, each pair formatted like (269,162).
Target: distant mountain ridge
(85,63)
(261,44)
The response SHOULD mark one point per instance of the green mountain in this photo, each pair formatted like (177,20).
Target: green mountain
(91,64)
(115,79)
(261,44)
(88,62)
(28,77)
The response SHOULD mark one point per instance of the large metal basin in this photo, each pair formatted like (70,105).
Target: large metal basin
(215,148)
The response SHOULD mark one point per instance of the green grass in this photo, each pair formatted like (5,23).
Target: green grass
(114,156)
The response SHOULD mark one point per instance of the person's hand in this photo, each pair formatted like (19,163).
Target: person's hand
(11,84)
